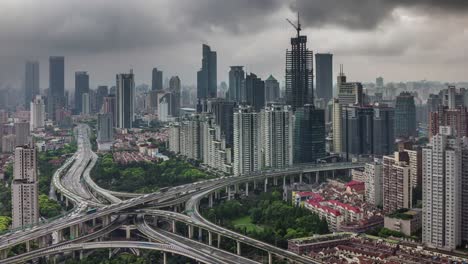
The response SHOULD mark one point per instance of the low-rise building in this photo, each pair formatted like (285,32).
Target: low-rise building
(405,221)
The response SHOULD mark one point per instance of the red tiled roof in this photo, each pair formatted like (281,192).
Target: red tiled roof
(345,206)
(325,208)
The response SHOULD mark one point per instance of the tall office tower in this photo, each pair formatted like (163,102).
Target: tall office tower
(324,75)
(373,173)
(223,112)
(367,130)
(405,116)
(309,134)
(25,188)
(272,90)
(164,106)
(442,181)
(457,118)
(37,113)
(247,140)
(236,82)
(85,104)
(379,82)
(81,87)
(223,90)
(175,89)
(22,132)
(110,106)
(383,128)
(255,92)
(56,94)
(207,78)
(277,136)
(125,100)
(157,80)
(299,72)
(31,82)
(397,191)
(105,128)
(102,91)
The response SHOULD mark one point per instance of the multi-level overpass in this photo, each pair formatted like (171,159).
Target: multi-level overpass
(73,183)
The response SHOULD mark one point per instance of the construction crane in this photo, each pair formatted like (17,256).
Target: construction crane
(298,26)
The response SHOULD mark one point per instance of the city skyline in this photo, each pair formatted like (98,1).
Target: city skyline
(426,36)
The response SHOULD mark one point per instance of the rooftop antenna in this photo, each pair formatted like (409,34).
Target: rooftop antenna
(298,26)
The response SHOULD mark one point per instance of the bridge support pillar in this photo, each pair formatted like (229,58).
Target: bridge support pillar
(81,254)
(174,226)
(127,232)
(200,234)
(164,258)
(210,238)
(219,240)
(210,201)
(28,246)
(270,258)
(333,174)
(155,220)
(66,202)
(229,193)
(94,222)
(317,177)
(309,178)
(246,189)
(284,182)
(275,181)
(255,184)
(3,254)
(190,231)
(300,178)
(238,248)
(105,220)
(236,190)
(266,185)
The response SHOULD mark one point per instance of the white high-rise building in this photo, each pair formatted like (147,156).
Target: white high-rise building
(37,113)
(25,188)
(277,136)
(442,194)
(373,173)
(247,141)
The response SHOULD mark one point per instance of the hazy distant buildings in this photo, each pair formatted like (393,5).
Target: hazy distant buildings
(207,80)
(37,113)
(81,87)
(85,104)
(31,82)
(109,105)
(324,75)
(405,116)
(102,91)
(56,95)
(125,100)
(255,92)
(272,90)
(25,188)
(105,128)
(299,73)
(309,134)
(236,82)
(175,89)
(157,80)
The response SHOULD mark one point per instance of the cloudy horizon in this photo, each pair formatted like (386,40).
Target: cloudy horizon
(400,40)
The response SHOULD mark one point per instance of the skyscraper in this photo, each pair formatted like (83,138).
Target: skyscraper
(56,96)
(102,91)
(247,138)
(223,111)
(442,193)
(31,82)
(236,80)
(125,100)
(299,72)
(207,79)
(405,116)
(105,127)
(309,134)
(22,132)
(157,80)
(277,135)
(85,104)
(175,89)
(324,75)
(110,106)
(272,90)
(255,92)
(25,188)
(37,113)
(81,87)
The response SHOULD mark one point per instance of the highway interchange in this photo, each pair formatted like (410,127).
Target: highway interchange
(74,184)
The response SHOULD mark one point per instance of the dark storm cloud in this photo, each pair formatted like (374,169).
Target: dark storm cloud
(367,14)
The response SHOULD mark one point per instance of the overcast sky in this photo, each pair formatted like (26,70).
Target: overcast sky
(398,39)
